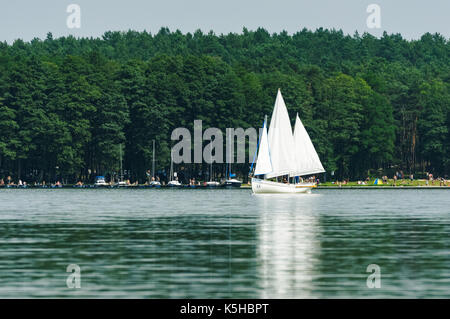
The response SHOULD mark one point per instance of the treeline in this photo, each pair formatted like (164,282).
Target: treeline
(68,105)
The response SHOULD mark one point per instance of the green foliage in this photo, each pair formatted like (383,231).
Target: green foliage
(67,105)
(433,123)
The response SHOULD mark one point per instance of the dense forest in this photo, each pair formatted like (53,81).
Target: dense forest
(371,105)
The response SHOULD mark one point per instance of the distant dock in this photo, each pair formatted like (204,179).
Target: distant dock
(365,187)
(383,187)
(371,187)
(368,187)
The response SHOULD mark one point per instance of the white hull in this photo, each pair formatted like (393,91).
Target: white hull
(101,184)
(232,183)
(212,184)
(261,186)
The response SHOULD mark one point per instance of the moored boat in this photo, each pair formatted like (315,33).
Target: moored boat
(100,182)
(232,183)
(155,184)
(174,183)
(212,184)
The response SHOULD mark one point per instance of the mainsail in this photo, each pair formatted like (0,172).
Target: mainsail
(306,157)
(281,141)
(263,163)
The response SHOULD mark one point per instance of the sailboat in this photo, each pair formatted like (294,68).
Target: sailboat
(154,182)
(283,155)
(231,181)
(121,182)
(173,176)
(211,182)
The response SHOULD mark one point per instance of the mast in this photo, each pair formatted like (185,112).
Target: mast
(171,165)
(210,168)
(229,166)
(120,156)
(153,162)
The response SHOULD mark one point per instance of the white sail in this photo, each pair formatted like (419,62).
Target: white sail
(263,163)
(306,157)
(281,141)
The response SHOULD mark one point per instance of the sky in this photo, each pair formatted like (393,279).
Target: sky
(27,19)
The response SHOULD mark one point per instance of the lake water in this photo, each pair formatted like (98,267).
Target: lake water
(168,243)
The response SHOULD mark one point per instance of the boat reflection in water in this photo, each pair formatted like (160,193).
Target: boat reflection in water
(288,245)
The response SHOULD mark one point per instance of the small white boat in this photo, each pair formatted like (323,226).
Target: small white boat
(173,183)
(232,183)
(173,175)
(155,183)
(212,184)
(121,184)
(100,182)
(283,154)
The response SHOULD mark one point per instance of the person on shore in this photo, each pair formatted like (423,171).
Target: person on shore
(430,179)
(395,179)
(2,182)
